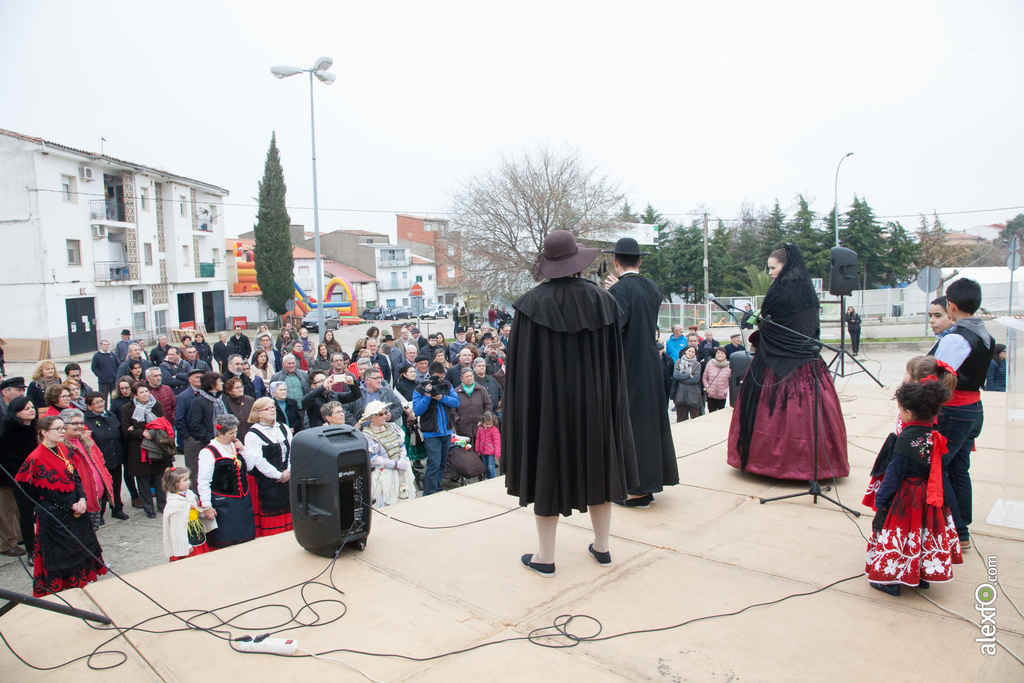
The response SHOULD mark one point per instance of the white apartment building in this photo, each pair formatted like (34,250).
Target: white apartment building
(93,245)
(398,272)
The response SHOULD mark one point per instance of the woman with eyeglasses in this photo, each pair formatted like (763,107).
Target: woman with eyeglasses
(89,462)
(392,480)
(58,398)
(223,485)
(67,554)
(268,446)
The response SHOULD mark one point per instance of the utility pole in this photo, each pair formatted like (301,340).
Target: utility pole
(707,304)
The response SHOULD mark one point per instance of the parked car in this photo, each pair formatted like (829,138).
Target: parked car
(436,311)
(332,319)
(397,313)
(372,313)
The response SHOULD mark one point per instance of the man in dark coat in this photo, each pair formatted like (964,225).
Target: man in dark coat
(221,352)
(639,300)
(563,448)
(240,344)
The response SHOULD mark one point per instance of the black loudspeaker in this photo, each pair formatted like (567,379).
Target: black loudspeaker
(330,489)
(843,278)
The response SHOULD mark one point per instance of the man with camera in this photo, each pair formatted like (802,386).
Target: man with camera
(433,402)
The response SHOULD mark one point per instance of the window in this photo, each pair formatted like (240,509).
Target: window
(138,297)
(67,189)
(184,255)
(369,240)
(419,278)
(430,278)
(451,272)
(405,301)
(160,322)
(303,271)
(405,275)
(451,250)
(74,253)
(181,204)
(147,253)
(139,322)
(216,255)
(144,199)
(391,303)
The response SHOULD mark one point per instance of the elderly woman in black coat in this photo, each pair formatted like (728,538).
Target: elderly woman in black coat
(207,406)
(17,440)
(105,428)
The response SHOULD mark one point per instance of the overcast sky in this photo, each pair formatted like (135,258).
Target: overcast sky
(684,104)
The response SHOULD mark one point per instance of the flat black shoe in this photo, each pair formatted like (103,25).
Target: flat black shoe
(924,585)
(641,502)
(119,514)
(603,559)
(545,570)
(151,515)
(892,589)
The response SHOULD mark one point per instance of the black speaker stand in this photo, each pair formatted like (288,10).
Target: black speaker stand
(842,353)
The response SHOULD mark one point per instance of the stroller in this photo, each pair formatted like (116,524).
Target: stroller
(462,465)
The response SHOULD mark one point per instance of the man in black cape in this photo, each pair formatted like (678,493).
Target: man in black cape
(639,300)
(566,441)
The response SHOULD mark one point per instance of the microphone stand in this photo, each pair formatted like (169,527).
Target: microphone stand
(815,490)
(842,353)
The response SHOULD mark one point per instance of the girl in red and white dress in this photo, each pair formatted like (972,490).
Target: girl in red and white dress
(914,541)
(184,525)
(918,368)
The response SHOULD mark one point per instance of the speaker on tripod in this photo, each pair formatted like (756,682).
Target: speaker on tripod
(843,278)
(330,489)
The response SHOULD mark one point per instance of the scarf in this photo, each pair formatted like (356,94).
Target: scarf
(469,389)
(143,412)
(218,405)
(283,407)
(685,365)
(45,384)
(46,470)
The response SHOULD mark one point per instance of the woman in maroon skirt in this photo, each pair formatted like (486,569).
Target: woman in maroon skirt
(772,431)
(62,560)
(268,446)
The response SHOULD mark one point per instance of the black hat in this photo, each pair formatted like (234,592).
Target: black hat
(13,383)
(562,256)
(660,345)
(627,246)
(196,371)
(388,337)
(424,356)
(126,333)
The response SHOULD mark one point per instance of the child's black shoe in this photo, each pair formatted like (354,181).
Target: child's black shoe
(892,589)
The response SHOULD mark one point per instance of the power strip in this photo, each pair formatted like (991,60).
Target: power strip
(270,646)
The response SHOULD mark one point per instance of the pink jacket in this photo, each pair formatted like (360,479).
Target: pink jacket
(716,380)
(488,441)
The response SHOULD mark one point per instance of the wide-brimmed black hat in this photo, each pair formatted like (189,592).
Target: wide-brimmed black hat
(562,256)
(627,246)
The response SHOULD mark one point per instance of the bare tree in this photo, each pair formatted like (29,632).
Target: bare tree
(501,217)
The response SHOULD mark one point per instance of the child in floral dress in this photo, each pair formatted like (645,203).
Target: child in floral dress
(914,541)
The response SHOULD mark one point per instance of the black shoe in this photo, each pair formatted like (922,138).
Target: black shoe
(31,559)
(603,559)
(151,515)
(545,570)
(924,585)
(641,502)
(119,514)
(892,589)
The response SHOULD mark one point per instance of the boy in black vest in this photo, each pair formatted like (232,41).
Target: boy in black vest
(968,348)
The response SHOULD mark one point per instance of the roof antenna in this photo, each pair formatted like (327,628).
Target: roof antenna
(102,140)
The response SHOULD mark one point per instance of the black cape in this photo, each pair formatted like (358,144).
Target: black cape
(639,300)
(566,440)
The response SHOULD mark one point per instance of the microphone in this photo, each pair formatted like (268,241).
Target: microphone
(715,301)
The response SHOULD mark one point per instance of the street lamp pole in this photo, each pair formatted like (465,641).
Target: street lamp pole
(836,214)
(319,70)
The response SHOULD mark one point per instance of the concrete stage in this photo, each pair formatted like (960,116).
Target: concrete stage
(705,547)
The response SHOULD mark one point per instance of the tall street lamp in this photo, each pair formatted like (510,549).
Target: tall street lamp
(320,70)
(836,198)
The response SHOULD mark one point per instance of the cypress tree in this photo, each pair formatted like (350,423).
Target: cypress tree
(272,254)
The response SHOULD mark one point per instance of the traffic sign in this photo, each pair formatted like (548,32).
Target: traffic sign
(1014,243)
(416,290)
(1013,260)
(929,279)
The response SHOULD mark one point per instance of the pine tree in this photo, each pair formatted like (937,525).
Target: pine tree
(773,231)
(658,265)
(272,254)
(863,234)
(902,255)
(814,243)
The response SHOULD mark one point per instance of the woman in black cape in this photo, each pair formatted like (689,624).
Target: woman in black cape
(772,430)
(566,438)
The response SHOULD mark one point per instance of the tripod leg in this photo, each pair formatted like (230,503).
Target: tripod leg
(836,502)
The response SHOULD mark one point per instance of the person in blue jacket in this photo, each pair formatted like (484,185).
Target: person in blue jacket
(104,366)
(433,401)
(995,380)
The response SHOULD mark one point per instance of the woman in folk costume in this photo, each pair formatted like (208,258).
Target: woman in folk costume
(268,446)
(223,485)
(67,554)
(392,480)
(89,463)
(184,525)
(772,431)
(914,541)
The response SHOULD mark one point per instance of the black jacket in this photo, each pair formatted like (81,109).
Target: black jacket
(239,345)
(200,420)
(204,352)
(106,432)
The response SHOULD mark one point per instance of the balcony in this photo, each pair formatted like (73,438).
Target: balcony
(106,210)
(394,285)
(207,269)
(111,271)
